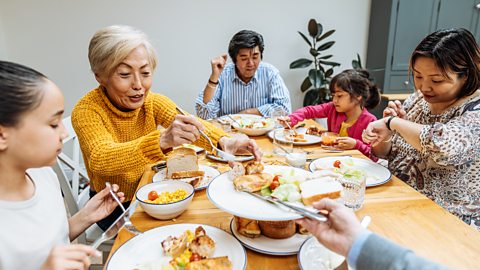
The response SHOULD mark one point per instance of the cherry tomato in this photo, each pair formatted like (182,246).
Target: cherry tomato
(337,163)
(276,177)
(152,195)
(195,257)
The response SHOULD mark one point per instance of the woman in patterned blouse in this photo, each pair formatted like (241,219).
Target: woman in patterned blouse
(432,141)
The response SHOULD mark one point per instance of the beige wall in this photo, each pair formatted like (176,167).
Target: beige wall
(52,36)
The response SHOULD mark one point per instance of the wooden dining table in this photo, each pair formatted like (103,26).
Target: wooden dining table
(398,212)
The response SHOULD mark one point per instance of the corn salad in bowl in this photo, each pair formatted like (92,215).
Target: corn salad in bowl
(165,199)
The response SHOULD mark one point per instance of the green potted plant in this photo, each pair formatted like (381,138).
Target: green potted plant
(321,69)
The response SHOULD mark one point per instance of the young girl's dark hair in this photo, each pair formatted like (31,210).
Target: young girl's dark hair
(357,83)
(453,50)
(19,91)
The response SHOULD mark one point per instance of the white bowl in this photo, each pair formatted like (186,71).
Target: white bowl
(253,131)
(168,210)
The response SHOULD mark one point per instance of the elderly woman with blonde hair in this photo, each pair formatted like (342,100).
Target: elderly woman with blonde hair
(116,122)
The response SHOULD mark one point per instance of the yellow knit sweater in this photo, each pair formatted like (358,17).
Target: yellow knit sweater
(117,145)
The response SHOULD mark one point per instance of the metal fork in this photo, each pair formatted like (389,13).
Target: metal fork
(128,224)
(226,156)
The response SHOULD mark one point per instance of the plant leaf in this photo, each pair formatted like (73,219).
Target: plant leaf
(326,57)
(359,61)
(306,84)
(301,63)
(305,38)
(324,36)
(328,63)
(314,52)
(329,73)
(316,77)
(320,30)
(325,46)
(311,98)
(355,64)
(313,28)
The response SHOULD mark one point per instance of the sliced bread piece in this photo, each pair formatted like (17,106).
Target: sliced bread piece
(317,189)
(183,160)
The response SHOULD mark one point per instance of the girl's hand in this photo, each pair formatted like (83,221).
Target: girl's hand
(394,108)
(376,132)
(69,257)
(284,120)
(346,143)
(240,143)
(183,129)
(102,204)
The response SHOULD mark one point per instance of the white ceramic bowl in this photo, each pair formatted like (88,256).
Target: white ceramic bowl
(168,210)
(253,131)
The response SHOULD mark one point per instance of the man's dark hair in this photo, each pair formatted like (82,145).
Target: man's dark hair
(245,39)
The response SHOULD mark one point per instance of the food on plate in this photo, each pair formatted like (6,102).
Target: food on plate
(277,229)
(252,182)
(313,130)
(337,163)
(297,137)
(193,251)
(237,170)
(254,167)
(202,245)
(175,246)
(182,163)
(247,227)
(254,123)
(219,263)
(302,230)
(316,189)
(166,196)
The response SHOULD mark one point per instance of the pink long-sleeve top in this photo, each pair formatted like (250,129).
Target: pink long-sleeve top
(335,120)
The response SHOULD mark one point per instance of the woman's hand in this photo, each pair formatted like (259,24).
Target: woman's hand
(240,143)
(341,229)
(218,63)
(73,257)
(102,204)
(346,143)
(183,129)
(394,108)
(376,132)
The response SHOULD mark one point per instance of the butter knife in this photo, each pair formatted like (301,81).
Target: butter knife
(298,210)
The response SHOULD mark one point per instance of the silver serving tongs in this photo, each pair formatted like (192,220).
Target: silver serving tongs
(299,210)
(226,156)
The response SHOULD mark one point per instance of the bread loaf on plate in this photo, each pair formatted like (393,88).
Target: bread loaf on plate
(182,162)
(247,227)
(219,263)
(317,189)
(277,229)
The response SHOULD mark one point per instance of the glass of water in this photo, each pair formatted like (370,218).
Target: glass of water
(278,112)
(282,144)
(353,193)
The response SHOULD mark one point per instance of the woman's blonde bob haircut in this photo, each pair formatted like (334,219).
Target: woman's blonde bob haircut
(111,45)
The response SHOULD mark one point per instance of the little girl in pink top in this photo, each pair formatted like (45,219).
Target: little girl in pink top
(353,93)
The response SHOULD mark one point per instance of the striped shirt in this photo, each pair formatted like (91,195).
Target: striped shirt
(265,91)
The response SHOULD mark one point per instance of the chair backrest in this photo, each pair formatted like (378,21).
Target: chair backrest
(68,164)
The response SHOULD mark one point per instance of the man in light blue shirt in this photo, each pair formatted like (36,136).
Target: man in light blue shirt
(247,85)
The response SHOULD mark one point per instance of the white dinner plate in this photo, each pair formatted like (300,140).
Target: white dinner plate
(221,192)
(376,173)
(247,118)
(237,158)
(313,256)
(146,249)
(311,139)
(210,174)
(267,245)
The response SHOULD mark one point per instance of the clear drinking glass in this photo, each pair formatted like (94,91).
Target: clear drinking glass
(298,158)
(277,113)
(282,144)
(353,193)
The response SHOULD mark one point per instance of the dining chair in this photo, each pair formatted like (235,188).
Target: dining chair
(70,172)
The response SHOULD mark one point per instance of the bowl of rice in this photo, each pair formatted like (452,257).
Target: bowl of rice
(165,199)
